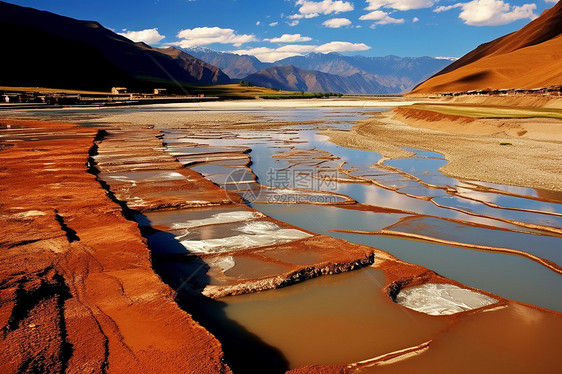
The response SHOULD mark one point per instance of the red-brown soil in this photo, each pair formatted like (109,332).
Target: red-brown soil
(528,58)
(138,150)
(77,290)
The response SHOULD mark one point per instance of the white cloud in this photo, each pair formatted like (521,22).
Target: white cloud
(258,23)
(148,36)
(289,38)
(311,9)
(415,19)
(380,18)
(446,58)
(440,9)
(301,16)
(274,54)
(399,4)
(491,12)
(268,54)
(335,23)
(551,1)
(341,47)
(209,35)
(273,24)
(296,48)
(293,23)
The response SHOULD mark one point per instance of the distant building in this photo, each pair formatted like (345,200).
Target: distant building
(160,91)
(118,90)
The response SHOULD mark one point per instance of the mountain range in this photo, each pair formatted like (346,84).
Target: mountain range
(353,74)
(49,50)
(290,78)
(528,58)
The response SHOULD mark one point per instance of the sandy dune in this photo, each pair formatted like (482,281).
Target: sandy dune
(528,58)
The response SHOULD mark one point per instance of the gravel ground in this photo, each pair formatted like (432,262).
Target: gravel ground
(525,163)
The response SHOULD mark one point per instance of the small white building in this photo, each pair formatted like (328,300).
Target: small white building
(118,91)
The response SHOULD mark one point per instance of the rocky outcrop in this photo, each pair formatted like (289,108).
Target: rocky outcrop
(334,256)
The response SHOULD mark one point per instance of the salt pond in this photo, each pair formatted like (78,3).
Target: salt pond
(433,205)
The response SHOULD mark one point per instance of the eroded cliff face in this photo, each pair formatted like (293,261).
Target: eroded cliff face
(77,287)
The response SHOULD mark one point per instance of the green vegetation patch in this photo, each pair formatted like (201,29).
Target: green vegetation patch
(234,91)
(51,90)
(490,112)
(303,95)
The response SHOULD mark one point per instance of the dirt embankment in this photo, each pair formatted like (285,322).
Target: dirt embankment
(517,101)
(77,290)
(541,129)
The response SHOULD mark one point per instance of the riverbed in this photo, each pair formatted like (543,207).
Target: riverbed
(283,184)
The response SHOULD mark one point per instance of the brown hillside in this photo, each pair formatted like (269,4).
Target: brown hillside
(199,69)
(43,49)
(528,58)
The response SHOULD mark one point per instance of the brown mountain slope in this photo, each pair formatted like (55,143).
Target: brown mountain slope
(199,69)
(528,58)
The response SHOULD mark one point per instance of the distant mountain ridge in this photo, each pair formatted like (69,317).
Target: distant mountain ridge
(527,58)
(49,50)
(291,78)
(200,70)
(235,66)
(389,74)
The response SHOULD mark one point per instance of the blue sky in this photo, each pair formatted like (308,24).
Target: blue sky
(273,29)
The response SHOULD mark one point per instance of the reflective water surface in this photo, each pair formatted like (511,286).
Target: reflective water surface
(418,198)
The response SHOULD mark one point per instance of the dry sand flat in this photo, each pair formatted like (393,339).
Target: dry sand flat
(485,121)
(472,147)
(209,114)
(234,114)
